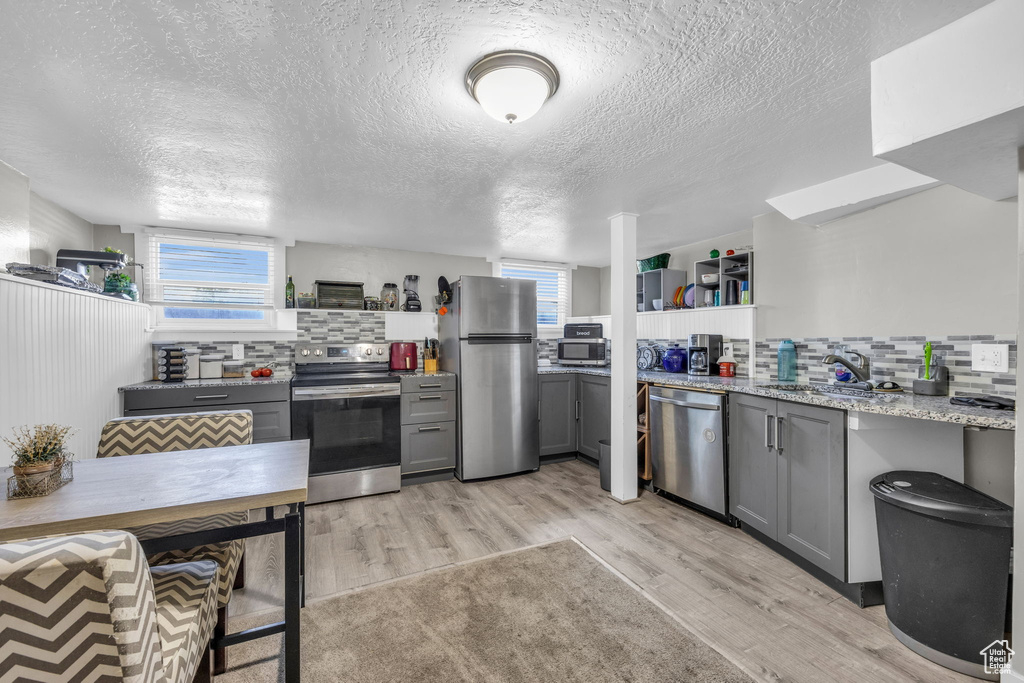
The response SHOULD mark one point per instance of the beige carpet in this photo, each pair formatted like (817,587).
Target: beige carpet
(548,613)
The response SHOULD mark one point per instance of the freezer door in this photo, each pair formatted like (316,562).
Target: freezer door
(496,306)
(688,446)
(498,418)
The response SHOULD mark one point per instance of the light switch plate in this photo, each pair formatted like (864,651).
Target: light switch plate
(990,357)
(854,421)
(238,352)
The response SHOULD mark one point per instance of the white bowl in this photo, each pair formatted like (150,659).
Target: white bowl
(709,278)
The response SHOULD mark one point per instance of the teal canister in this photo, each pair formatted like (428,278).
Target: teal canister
(787,361)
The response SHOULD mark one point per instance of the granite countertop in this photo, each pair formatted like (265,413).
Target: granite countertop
(276,378)
(899,405)
(247,381)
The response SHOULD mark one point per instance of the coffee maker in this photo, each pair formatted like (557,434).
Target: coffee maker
(703,353)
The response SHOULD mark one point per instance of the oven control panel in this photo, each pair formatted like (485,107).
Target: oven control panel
(341,353)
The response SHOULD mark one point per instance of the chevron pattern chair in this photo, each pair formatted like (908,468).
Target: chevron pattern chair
(168,433)
(88,607)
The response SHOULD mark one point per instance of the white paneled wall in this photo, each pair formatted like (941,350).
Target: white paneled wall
(732,322)
(63,354)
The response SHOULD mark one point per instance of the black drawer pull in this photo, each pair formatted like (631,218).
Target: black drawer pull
(431,398)
(435,428)
(210,396)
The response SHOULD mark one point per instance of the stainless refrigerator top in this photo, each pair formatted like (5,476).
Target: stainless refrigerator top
(495,306)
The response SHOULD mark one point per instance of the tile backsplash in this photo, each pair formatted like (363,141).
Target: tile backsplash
(897,359)
(340,327)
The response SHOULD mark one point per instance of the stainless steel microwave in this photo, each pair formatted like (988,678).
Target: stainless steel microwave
(582,352)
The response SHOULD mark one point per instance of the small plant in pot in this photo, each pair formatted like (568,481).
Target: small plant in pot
(38,450)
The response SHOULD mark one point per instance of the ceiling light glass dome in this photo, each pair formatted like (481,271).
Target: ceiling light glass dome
(512,86)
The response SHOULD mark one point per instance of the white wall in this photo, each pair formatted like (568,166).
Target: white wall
(14,216)
(32,228)
(942,262)
(64,354)
(53,227)
(586,291)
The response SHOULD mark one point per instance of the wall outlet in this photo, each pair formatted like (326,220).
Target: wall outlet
(990,357)
(238,352)
(727,349)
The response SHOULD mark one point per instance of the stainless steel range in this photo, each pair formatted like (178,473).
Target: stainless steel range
(347,403)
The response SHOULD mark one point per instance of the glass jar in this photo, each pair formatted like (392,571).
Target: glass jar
(389,297)
(233,369)
(211,366)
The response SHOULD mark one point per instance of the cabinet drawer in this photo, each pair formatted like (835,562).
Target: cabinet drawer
(428,406)
(428,447)
(430,383)
(195,397)
(270,421)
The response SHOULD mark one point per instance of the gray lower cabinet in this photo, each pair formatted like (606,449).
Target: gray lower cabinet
(594,394)
(270,405)
(557,414)
(787,476)
(428,424)
(428,447)
(575,413)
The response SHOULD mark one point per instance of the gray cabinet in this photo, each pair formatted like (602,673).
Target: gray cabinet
(427,447)
(557,414)
(753,463)
(428,424)
(269,403)
(811,484)
(787,474)
(594,394)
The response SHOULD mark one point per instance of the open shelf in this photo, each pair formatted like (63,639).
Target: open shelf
(737,268)
(643,441)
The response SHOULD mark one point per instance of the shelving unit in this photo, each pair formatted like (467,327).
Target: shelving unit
(735,268)
(657,284)
(643,431)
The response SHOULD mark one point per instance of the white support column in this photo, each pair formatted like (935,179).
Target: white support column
(623,341)
(1017,663)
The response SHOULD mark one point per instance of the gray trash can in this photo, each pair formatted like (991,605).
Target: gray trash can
(604,463)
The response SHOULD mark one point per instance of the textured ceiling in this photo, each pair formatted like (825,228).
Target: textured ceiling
(347,121)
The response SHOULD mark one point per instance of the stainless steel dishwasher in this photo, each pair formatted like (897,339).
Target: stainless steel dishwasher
(688,447)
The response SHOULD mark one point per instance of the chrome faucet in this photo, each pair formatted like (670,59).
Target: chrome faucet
(861,371)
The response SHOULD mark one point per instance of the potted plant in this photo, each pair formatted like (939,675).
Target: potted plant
(38,451)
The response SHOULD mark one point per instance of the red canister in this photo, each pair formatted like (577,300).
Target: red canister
(726,368)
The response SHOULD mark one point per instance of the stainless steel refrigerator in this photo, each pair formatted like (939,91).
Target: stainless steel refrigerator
(489,339)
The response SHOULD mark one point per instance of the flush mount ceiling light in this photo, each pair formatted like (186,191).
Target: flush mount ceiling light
(512,86)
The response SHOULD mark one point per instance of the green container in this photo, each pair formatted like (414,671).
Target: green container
(652,263)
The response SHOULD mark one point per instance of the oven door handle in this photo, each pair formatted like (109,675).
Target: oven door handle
(360,391)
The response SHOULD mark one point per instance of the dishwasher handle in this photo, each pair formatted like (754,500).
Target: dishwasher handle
(687,404)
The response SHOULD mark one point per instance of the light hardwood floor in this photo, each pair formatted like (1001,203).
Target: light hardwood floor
(768,616)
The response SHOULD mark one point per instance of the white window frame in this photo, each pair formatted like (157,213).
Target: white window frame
(543,331)
(144,241)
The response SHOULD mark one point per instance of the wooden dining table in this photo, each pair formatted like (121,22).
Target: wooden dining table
(132,490)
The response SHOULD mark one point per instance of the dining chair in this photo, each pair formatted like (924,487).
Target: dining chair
(88,607)
(188,431)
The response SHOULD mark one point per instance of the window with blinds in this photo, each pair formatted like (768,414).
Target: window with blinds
(202,279)
(552,289)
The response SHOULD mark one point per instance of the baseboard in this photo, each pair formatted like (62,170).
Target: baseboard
(558,457)
(587,459)
(863,594)
(414,478)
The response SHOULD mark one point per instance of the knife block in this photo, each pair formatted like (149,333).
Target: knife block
(938,385)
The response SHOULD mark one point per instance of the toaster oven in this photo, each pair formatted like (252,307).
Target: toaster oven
(582,352)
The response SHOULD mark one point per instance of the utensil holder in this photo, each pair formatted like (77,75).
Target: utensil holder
(429,366)
(937,385)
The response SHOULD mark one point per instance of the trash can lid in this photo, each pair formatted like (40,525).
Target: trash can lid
(937,496)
